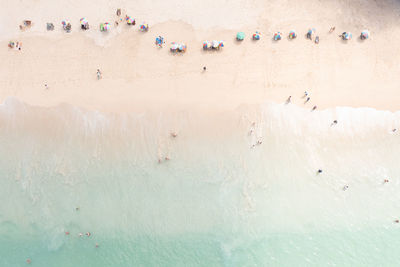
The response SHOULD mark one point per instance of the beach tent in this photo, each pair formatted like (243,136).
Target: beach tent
(347,36)
(66,25)
(240,36)
(104,27)
(364,34)
(207,45)
(277,36)
(256,36)
(292,34)
(311,33)
(160,41)
(144,27)
(130,20)
(84,24)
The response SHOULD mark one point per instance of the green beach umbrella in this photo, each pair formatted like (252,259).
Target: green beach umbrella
(240,36)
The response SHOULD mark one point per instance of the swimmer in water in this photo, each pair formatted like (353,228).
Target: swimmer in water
(28,261)
(80,234)
(67,233)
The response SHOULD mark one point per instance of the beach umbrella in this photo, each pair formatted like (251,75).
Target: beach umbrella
(221,44)
(277,36)
(240,36)
(256,36)
(347,36)
(174,47)
(292,35)
(104,27)
(364,34)
(206,45)
(310,33)
(130,20)
(215,44)
(144,27)
(66,25)
(182,48)
(160,41)
(84,23)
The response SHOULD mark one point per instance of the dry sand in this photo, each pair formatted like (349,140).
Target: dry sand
(138,76)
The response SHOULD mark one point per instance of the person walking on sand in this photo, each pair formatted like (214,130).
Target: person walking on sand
(308,99)
(334,123)
(305,94)
(288,100)
(332,29)
(99,76)
(314,108)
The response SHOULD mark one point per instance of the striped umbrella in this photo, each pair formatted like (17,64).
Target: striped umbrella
(364,34)
(130,20)
(144,27)
(292,35)
(256,36)
(83,21)
(174,47)
(277,36)
(206,45)
(347,36)
(104,27)
(182,48)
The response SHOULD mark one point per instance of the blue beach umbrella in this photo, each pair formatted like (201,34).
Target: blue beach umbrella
(160,41)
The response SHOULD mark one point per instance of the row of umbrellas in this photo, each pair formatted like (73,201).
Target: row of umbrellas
(213,45)
(103,26)
(292,35)
(175,47)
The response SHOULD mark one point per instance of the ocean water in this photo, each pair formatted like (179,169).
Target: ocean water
(240,188)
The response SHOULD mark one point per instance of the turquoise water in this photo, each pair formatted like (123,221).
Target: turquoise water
(221,199)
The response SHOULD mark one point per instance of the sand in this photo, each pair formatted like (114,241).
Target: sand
(138,76)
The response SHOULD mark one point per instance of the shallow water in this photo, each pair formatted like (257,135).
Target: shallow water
(221,199)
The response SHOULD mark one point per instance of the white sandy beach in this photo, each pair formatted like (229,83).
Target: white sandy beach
(137,75)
